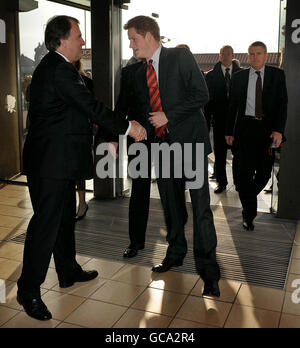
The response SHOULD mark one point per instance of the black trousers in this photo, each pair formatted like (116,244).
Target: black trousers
(253,163)
(172,193)
(51,230)
(220,151)
(139,205)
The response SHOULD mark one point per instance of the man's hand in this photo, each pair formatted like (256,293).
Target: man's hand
(158,119)
(229,139)
(277,139)
(137,131)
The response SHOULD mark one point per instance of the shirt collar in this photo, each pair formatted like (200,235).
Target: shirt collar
(156,55)
(66,59)
(262,70)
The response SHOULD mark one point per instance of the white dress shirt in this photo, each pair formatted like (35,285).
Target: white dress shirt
(223,67)
(155,62)
(251,95)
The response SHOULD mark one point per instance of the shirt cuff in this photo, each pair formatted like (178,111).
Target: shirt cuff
(128,129)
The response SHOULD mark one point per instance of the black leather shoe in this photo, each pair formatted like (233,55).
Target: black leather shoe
(220,189)
(34,307)
(129,253)
(80,217)
(132,251)
(248,225)
(83,276)
(211,289)
(166,265)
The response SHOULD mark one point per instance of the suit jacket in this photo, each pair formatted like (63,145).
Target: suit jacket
(183,93)
(274,101)
(218,100)
(59,140)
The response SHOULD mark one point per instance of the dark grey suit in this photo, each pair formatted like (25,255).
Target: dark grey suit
(183,94)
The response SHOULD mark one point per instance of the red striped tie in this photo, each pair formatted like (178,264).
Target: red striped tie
(155,101)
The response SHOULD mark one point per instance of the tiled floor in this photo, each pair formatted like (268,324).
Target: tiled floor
(128,296)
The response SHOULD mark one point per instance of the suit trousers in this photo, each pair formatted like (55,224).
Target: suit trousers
(51,230)
(139,205)
(253,163)
(172,193)
(220,151)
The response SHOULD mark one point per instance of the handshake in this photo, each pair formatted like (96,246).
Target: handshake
(137,132)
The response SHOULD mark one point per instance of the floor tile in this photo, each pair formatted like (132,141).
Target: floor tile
(139,319)
(136,275)
(290,302)
(248,317)
(96,314)
(204,311)
(260,297)
(51,279)
(292,278)
(61,305)
(85,289)
(6,314)
(68,326)
(228,290)
(9,232)
(118,293)
(10,221)
(295,266)
(289,321)
(15,211)
(175,281)
(9,250)
(185,324)
(22,320)
(296,252)
(158,301)
(106,269)
(10,269)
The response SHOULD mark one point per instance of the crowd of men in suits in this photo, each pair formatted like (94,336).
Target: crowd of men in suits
(161,101)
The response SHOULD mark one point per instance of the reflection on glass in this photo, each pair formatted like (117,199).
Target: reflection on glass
(33,49)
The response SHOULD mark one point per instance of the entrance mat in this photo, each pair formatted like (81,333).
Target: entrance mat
(259,257)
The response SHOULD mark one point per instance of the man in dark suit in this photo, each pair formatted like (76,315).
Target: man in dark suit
(126,106)
(218,82)
(170,91)
(57,152)
(257,117)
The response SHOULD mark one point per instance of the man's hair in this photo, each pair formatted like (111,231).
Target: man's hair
(258,44)
(143,25)
(226,47)
(183,46)
(58,28)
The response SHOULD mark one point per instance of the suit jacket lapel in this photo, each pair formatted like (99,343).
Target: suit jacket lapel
(163,72)
(245,88)
(267,82)
(141,79)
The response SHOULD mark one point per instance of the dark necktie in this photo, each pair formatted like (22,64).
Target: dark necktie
(258,97)
(227,80)
(154,95)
